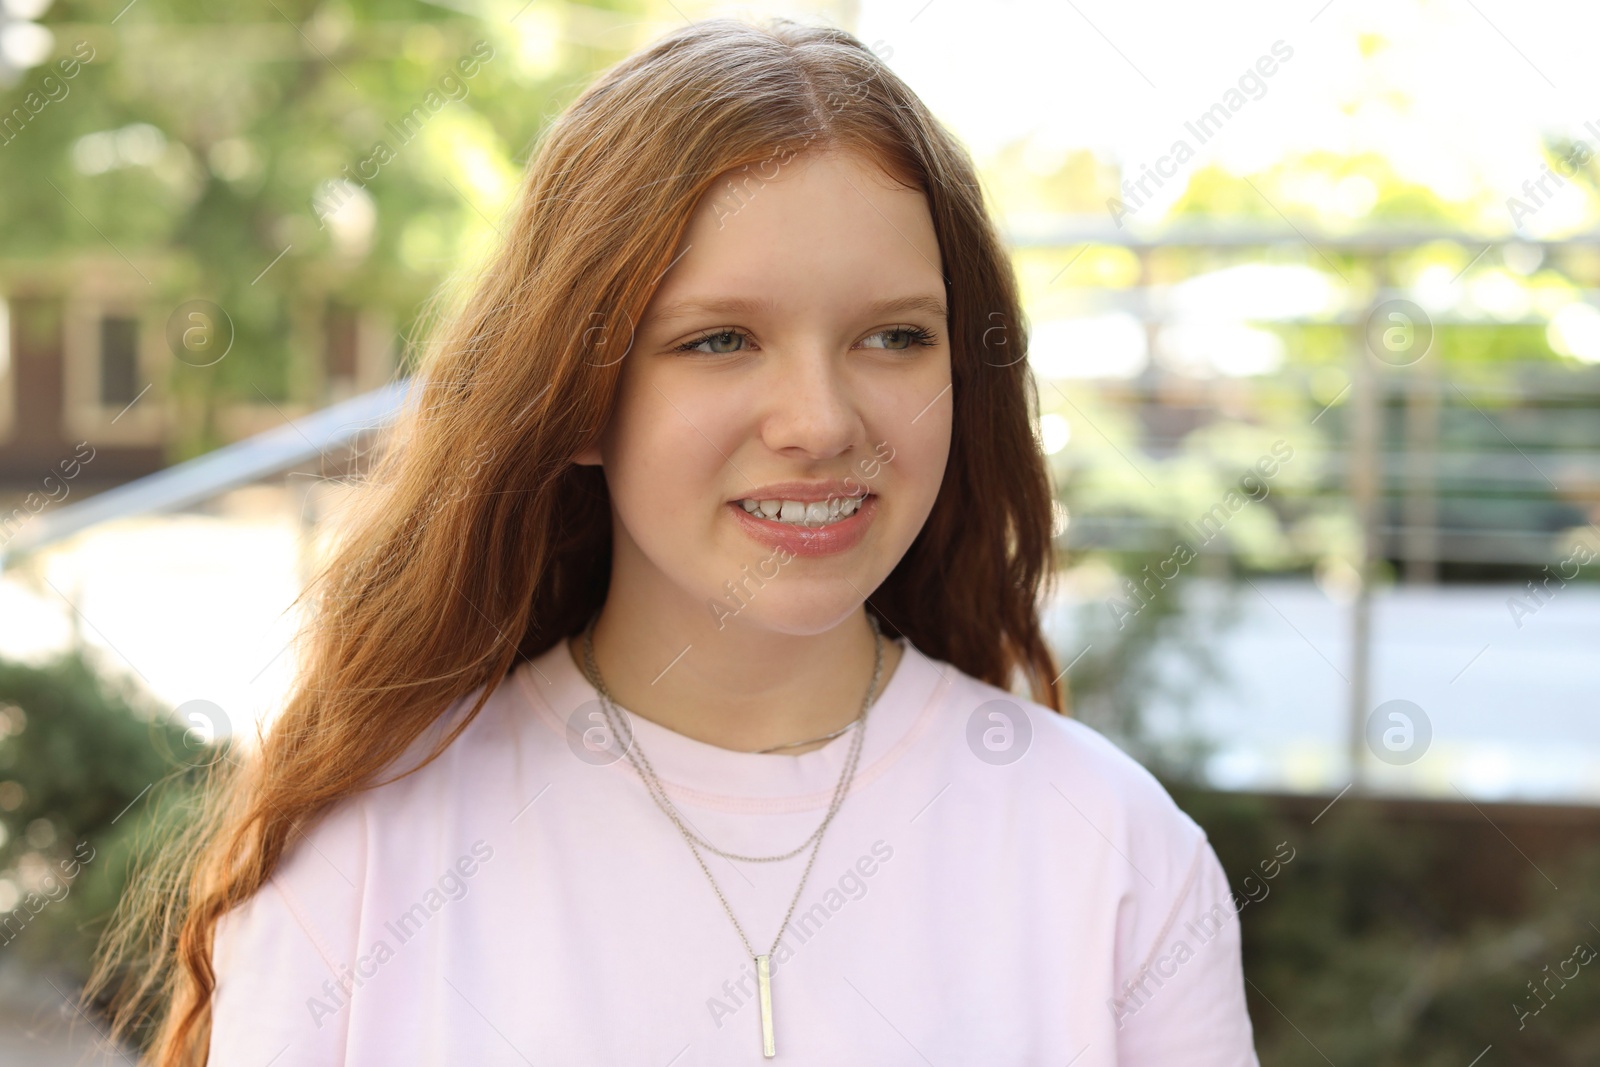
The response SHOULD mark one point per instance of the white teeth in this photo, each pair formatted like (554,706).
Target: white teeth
(798,513)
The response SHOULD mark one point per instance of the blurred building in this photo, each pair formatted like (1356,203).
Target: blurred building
(86,355)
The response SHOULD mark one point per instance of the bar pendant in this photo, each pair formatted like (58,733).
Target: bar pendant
(764,984)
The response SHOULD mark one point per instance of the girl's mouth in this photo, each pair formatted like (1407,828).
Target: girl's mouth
(817,528)
(797,513)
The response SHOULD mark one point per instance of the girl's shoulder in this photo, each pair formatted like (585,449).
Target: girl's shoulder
(1024,753)
(1006,729)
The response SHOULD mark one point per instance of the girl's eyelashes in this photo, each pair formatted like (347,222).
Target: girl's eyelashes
(905,337)
(913,336)
(722,335)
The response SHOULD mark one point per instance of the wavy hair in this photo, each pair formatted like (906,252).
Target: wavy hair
(478,543)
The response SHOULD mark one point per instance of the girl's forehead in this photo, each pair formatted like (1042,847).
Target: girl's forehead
(831,222)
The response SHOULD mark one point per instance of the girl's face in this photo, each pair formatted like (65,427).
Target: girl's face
(795,352)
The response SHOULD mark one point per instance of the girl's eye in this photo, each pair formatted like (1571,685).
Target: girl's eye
(902,337)
(716,340)
(726,342)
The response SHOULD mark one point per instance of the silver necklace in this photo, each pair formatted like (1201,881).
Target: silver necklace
(763,961)
(814,740)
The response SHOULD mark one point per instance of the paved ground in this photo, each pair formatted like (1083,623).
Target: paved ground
(39,1028)
(35,1037)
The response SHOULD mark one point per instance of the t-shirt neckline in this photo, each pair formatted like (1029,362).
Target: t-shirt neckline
(697,772)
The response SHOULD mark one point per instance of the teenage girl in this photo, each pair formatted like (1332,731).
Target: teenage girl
(660,706)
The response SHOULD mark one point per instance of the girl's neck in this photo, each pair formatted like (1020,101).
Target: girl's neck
(742,688)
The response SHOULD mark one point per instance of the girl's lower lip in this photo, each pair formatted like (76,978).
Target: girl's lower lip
(808,540)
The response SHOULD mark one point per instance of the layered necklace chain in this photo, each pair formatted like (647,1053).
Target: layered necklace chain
(809,741)
(641,763)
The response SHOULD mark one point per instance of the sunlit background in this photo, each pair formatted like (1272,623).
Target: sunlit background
(1313,312)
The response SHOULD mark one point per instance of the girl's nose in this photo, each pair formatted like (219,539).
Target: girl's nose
(811,405)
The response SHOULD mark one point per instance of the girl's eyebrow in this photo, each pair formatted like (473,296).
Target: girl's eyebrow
(735,305)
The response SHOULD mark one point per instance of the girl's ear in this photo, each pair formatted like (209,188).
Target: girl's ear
(589,457)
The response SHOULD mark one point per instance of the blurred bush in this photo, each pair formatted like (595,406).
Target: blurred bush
(91,770)
(1373,947)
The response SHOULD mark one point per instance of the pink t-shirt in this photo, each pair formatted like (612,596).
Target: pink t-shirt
(1001,886)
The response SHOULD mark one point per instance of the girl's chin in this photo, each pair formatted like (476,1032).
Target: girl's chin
(781,618)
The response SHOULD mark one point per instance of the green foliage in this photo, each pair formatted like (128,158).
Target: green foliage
(1331,188)
(84,780)
(192,148)
(1378,944)
(1130,656)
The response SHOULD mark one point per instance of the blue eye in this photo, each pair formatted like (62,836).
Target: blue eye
(907,336)
(898,338)
(720,336)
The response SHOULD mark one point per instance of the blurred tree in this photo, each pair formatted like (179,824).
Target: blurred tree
(281,158)
(1134,655)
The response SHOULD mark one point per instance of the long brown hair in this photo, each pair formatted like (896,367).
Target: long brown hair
(478,543)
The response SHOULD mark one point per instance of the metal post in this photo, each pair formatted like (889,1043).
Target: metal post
(1363,449)
(1421,500)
